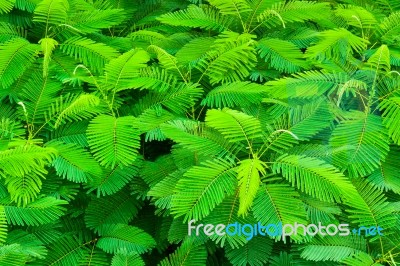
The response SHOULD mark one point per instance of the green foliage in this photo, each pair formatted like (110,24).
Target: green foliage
(51,12)
(18,54)
(334,248)
(203,188)
(248,173)
(254,252)
(121,121)
(191,252)
(113,140)
(368,138)
(275,203)
(116,237)
(91,53)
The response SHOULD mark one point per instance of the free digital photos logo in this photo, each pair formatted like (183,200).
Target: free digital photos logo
(280,230)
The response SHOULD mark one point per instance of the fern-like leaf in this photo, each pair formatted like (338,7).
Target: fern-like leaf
(92,54)
(41,211)
(278,203)
(115,237)
(337,43)
(113,140)
(120,71)
(281,55)
(73,108)
(366,134)
(190,253)
(202,188)
(234,94)
(314,177)
(73,162)
(194,16)
(113,180)
(234,125)
(51,12)
(123,259)
(306,85)
(68,250)
(249,172)
(334,248)
(107,210)
(6,6)
(25,159)
(369,207)
(254,252)
(17,55)
(391,110)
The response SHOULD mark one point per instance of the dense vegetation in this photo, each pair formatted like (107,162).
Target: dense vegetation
(121,120)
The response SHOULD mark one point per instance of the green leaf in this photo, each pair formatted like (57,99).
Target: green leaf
(37,95)
(3,225)
(92,54)
(386,176)
(227,213)
(24,189)
(113,140)
(17,56)
(367,136)
(73,162)
(333,248)
(369,207)
(294,12)
(198,138)
(231,58)
(234,94)
(255,252)
(6,6)
(249,172)
(120,208)
(122,259)
(10,129)
(234,125)
(281,55)
(202,188)
(90,21)
(74,133)
(51,12)
(391,111)
(278,203)
(25,159)
(126,238)
(231,7)
(41,211)
(73,108)
(314,177)
(67,250)
(189,253)
(190,54)
(120,71)
(389,27)
(336,43)
(306,85)
(11,255)
(113,180)
(380,60)
(48,45)
(361,259)
(95,257)
(204,17)
(30,245)
(309,119)
(177,100)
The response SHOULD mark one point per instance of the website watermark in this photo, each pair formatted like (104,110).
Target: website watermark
(280,230)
